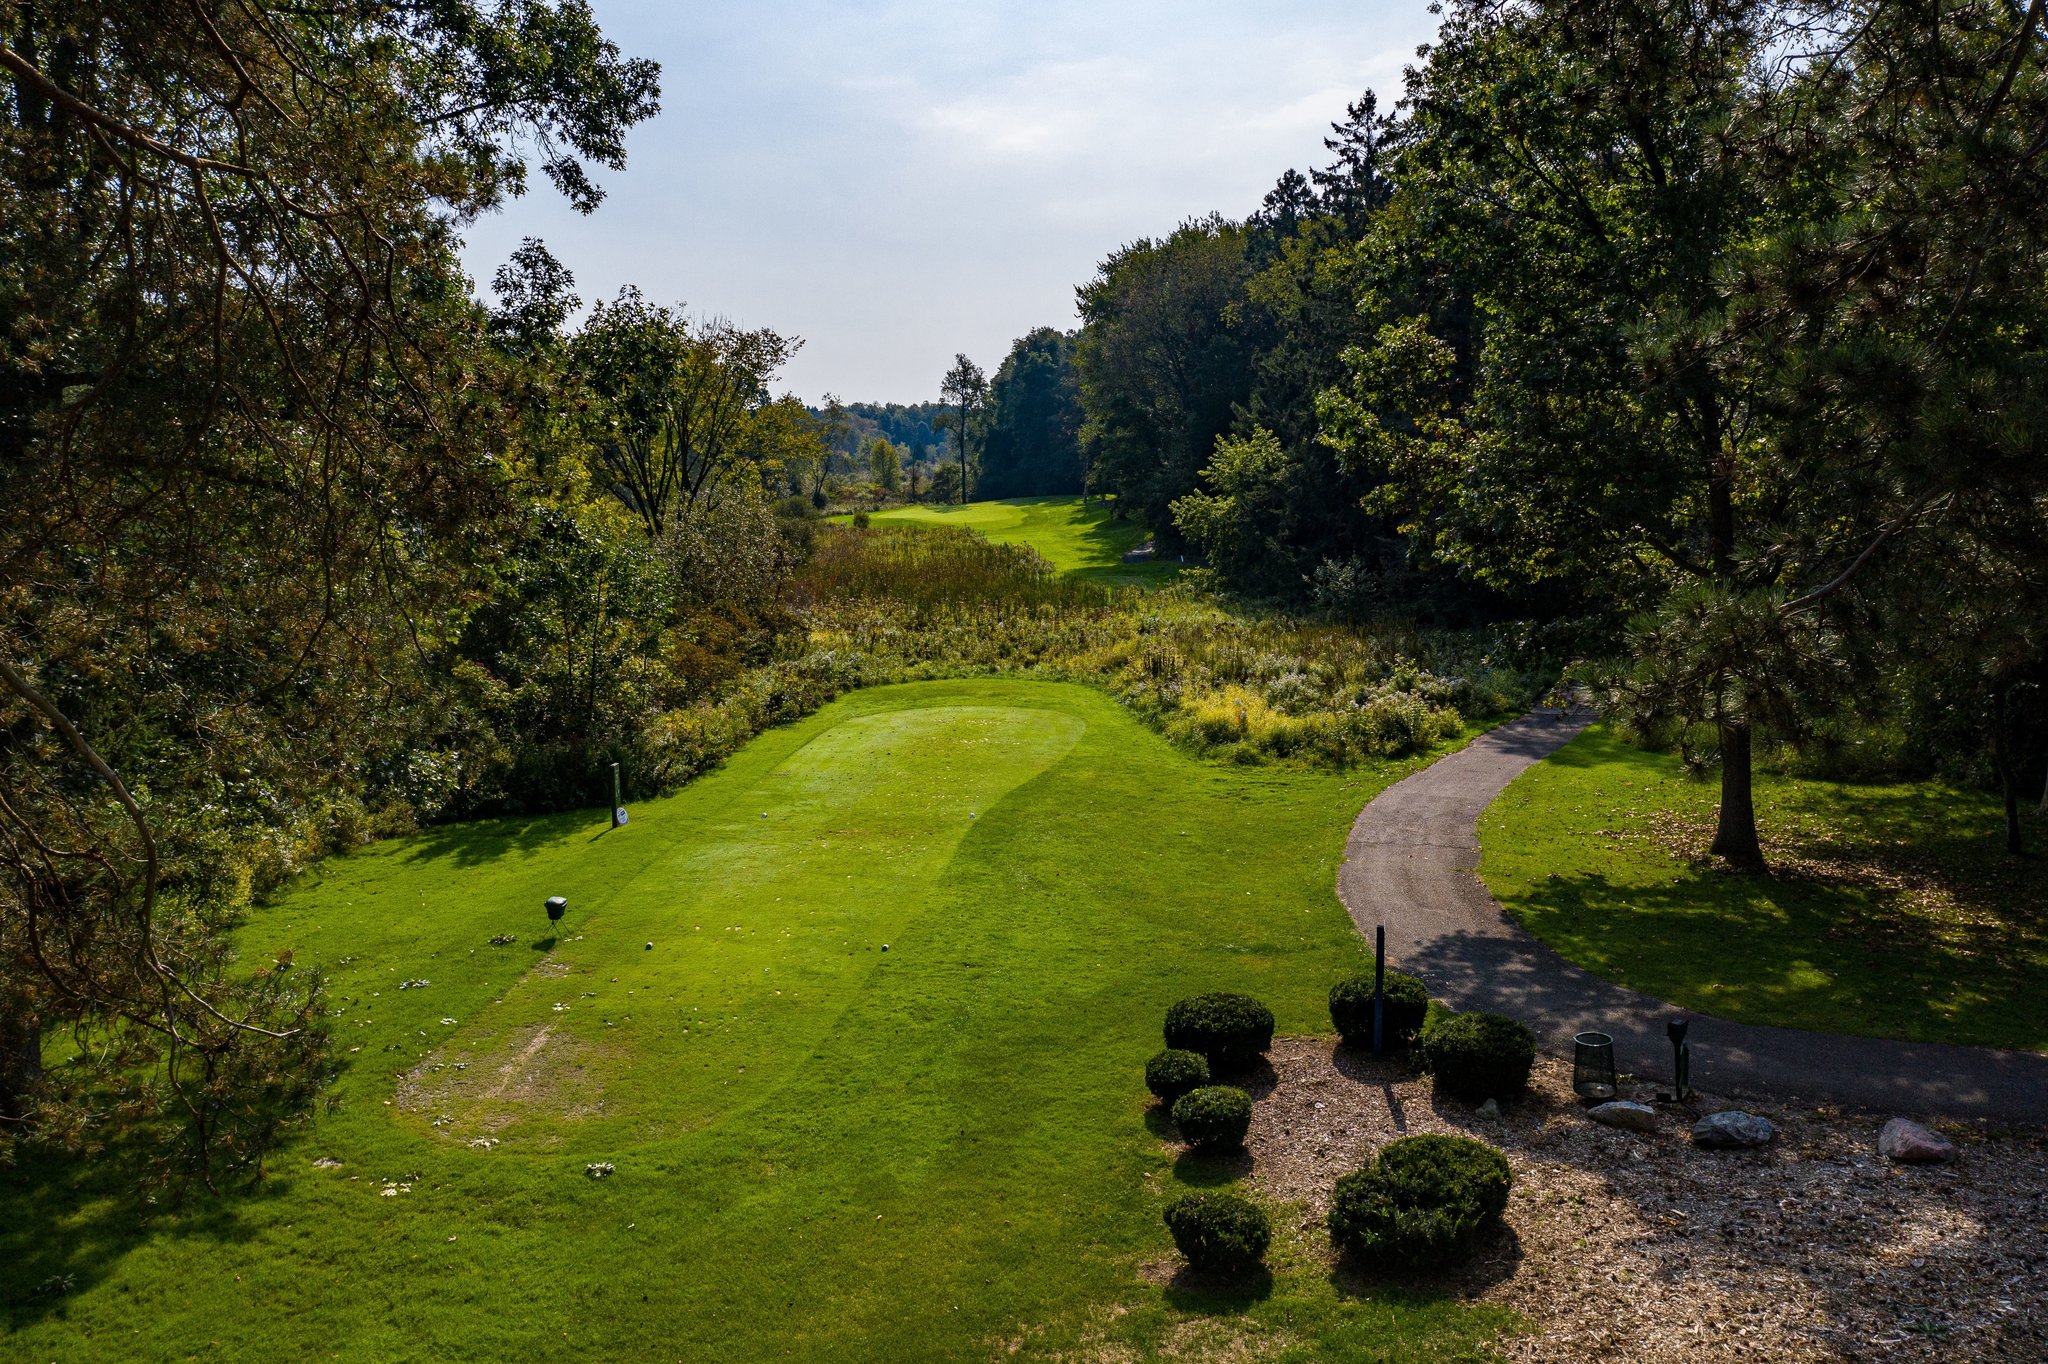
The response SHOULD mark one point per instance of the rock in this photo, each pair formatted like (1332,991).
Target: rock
(600,1170)
(327,1163)
(1624,1113)
(1732,1129)
(1909,1143)
(1490,1109)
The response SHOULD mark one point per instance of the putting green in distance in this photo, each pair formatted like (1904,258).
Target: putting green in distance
(1084,539)
(820,1150)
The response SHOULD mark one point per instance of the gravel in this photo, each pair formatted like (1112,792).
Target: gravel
(1630,1246)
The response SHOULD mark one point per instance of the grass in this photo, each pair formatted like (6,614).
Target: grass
(1077,537)
(823,1151)
(1888,910)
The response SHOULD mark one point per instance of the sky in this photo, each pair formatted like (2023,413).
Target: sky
(897,182)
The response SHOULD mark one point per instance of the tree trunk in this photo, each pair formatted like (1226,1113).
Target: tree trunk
(2008,779)
(21,1065)
(1735,837)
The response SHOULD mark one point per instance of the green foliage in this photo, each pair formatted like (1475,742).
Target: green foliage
(1232,1031)
(1172,1073)
(1406,1005)
(1219,1233)
(1476,1057)
(1423,1203)
(1213,1118)
(1032,447)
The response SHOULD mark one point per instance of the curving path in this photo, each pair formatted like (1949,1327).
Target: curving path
(1411,863)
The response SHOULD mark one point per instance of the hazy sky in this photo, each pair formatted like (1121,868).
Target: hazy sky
(895,182)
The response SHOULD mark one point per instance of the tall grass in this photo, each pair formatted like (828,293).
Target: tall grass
(910,603)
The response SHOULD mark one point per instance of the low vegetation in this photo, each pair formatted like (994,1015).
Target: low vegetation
(1476,1057)
(1404,1007)
(1423,1203)
(1231,1030)
(1173,1072)
(1213,1118)
(1219,1233)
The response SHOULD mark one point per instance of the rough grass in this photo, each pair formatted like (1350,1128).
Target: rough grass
(822,1151)
(1082,538)
(1888,910)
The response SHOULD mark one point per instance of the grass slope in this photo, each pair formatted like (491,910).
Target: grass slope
(823,1151)
(1078,538)
(1889,911)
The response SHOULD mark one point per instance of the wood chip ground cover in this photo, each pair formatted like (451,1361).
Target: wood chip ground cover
(1629,1247)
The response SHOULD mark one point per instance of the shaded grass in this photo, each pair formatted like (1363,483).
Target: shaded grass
(1080,538)
(823,1151)
(1888,910)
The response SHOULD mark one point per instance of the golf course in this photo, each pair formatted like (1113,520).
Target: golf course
(1074,534)
(836,1053)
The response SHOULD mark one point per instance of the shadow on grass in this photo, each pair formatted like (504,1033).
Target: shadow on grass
(1211,1169)
(482,841)
(1216,1294)
(65,1223)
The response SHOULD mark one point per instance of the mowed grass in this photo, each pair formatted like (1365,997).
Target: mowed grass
(1888,910)
(823,1151)
(1085,539)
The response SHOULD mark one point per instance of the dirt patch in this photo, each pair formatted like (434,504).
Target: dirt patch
(1644,1248)
(480,1091)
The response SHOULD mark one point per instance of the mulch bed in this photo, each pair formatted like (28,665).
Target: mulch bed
(1644,1248)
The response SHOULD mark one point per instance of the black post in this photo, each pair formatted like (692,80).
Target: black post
(1681,1057)
(617,805)
(1379,990)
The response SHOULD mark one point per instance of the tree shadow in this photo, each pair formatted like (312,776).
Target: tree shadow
(1495,1259)
(65,1223)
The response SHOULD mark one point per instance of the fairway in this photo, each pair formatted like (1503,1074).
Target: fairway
(822,1150)
(1075,537)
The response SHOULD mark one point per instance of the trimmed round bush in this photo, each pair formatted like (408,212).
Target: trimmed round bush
(1424,1202)
(1173,1073)
(1219,1232)
(1214,1117)
(1477,1057)
(1233,1031)
(1351,1008)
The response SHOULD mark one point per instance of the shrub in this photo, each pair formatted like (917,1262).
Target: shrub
(1219,1232)
(1231,1030)
(1425,1201)
(1173,1073)
(1476,1057)
(1214,1117)
(860,519)
(1351,1008)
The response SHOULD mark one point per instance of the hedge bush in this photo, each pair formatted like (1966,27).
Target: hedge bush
(1476,1057)
(1214,1117)
(1233,1031)
(1173,1073)
(1351,1008)
(1425,1201)
(1219,1232)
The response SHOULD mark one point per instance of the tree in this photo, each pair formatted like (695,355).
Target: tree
(1161,364)
(1032,445)
(679,405)
(246,417)
(885,464)
(965,388)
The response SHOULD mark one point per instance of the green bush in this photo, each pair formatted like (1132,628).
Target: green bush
(1424,1202)
(1476,1057)
(1173,1073)
(1214,1117)
(1233,1031)
(1351,1008)
(1219,1232)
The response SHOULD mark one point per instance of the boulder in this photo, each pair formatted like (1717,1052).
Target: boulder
(1909,1143)
(1624,1113)
(1732,1129)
